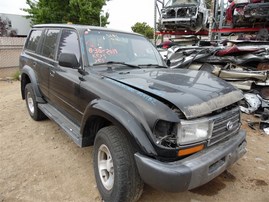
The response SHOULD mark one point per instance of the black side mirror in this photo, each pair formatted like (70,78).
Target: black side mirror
(68,60)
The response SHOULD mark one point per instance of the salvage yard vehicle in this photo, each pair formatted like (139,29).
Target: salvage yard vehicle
(243,63)
(173,129)
(248,13)
(184,15)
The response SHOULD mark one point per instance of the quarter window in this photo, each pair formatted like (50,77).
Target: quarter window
(49,43)
(34,38)
(69,43)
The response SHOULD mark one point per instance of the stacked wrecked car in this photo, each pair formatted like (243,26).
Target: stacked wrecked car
(184,14)
(249,13)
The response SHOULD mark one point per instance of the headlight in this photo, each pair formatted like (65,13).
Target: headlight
(163,11)
(193,131)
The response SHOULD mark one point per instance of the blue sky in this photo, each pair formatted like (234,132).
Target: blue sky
(123,13)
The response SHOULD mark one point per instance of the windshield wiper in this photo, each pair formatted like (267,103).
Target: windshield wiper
(117,63)
(152,65)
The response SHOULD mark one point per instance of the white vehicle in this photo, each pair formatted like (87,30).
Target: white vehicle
(184,15)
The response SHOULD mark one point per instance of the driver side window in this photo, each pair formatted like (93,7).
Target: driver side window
(69,43)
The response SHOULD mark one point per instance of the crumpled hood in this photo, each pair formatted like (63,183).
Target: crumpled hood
(195,93)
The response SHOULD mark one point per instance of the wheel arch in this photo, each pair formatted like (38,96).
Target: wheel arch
(28,76)
(101,113)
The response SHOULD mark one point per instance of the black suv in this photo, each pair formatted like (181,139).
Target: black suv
(174,129)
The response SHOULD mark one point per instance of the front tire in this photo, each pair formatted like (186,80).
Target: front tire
(31,104)
(116,174)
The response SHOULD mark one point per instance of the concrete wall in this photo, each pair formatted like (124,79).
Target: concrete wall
(10,49)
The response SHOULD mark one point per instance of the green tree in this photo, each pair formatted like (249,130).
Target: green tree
(63,11)
(144,29)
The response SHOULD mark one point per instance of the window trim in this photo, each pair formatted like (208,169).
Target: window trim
(39,42)
(43,39)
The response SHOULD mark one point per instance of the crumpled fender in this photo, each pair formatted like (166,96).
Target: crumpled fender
(122,119)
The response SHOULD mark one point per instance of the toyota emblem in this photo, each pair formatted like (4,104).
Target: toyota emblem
(229,125)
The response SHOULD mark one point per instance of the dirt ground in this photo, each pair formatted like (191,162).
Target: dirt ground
(38,162)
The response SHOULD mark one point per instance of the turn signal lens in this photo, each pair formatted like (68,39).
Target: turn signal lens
(188,151)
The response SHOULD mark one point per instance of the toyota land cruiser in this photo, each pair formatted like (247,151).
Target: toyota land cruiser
(174,129)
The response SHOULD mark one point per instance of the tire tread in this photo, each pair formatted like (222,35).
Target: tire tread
(38,114)
(131,185)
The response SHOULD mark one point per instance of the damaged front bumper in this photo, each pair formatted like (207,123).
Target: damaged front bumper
(181,23)
(194,170)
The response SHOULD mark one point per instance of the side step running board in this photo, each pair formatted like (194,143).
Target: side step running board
(69,127)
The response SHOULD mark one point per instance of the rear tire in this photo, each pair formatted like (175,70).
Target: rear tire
(31,104)
(115,170)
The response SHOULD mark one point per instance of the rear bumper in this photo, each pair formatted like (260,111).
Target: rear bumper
(194,170)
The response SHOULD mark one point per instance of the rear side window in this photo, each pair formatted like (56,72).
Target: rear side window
(69,43)
(33,40)
(49,43)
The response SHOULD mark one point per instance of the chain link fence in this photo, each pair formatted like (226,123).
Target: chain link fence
(10,49)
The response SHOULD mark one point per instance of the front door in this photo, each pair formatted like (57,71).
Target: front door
(64,84)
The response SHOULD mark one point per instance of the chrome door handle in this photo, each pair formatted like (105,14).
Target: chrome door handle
(52,73)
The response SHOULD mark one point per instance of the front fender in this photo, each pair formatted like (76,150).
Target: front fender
(123,120)
(28,72)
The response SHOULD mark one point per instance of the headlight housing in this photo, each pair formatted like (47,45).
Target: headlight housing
(164,12)
(194,131)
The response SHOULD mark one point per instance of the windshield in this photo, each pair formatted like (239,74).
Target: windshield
(107,46)
(178,2)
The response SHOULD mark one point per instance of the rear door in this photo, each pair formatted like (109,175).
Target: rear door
(47,58)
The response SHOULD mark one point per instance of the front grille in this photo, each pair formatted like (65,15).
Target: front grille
(171,14)
(182,12)
(225,125)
